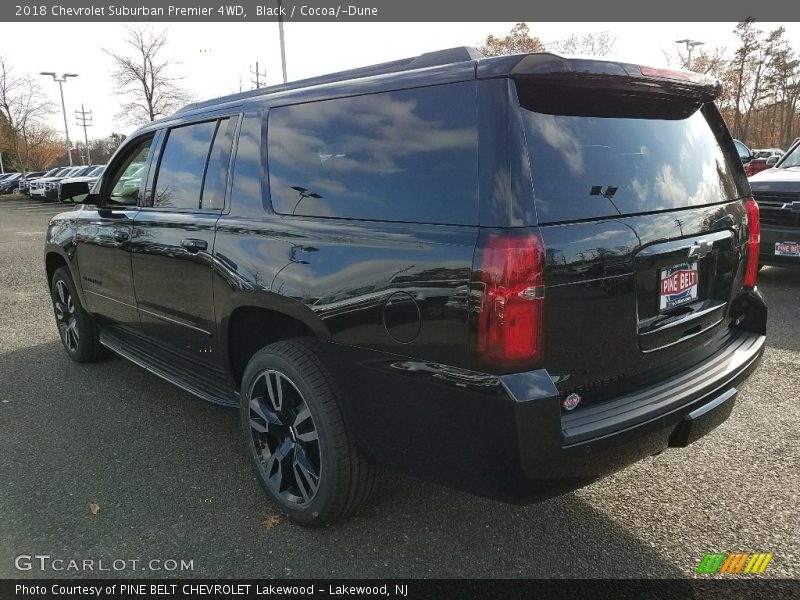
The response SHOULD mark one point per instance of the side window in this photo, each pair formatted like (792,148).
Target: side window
(126,181)
(179,181)
(213,196)
(409,155)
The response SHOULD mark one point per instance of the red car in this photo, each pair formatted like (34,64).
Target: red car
(755,166)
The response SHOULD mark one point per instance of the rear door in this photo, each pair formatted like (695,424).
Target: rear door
(638,204)
(173,237)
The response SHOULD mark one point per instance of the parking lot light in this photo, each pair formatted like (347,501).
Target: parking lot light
(61,81)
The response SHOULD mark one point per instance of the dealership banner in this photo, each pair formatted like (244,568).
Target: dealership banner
(230,589)
(393,11)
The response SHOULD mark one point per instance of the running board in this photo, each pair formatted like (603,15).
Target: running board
(203,380)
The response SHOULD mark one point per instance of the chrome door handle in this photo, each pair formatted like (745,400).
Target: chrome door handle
(193,245)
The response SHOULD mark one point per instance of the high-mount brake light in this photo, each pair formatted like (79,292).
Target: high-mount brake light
(510,321)
(670,74)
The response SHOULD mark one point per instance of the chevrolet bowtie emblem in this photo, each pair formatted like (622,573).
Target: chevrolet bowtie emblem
(700,249)
(792,206)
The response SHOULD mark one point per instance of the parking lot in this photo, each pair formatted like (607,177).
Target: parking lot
(172,483)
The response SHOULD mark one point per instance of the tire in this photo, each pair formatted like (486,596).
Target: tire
(296,437)
(76,327)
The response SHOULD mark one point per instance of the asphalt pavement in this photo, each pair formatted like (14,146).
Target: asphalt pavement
(107,462)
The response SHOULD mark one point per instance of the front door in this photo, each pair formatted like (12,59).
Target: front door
(103,235)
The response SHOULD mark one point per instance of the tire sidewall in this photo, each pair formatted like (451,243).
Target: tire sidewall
(267,359)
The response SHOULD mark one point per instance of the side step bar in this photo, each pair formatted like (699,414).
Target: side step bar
(202,380)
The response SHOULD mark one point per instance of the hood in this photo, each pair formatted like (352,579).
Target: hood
(777,180)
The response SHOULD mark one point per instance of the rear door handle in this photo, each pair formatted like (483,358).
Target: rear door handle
(121,236)
(193,245)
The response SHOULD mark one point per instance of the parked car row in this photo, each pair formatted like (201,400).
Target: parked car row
(47,186)
(777,192)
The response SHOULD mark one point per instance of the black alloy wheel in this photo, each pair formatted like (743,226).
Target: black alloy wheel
(293,426)
(285,438)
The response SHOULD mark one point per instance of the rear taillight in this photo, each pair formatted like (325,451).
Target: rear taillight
(510,318)
(753,243)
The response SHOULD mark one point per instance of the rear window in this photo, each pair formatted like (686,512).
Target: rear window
(408,155)
(596,166)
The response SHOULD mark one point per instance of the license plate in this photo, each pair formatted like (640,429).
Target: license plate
(678,285)
(787,249)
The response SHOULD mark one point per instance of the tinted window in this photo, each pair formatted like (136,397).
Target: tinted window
(126,180)
(584,167)
(183,162)
(398,156)
(793,159)
(217,172)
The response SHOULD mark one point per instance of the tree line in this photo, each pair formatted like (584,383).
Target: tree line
(143,76)
(760,77)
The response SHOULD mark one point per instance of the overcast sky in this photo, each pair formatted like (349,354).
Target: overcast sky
(216,58)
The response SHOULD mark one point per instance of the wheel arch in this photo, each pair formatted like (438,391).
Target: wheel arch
(256,321)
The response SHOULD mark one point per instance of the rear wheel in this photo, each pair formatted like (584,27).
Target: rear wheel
(296,437)
(75,326)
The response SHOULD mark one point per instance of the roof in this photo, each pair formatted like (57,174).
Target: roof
(429,59)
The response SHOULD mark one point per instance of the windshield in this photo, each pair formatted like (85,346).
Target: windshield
(792,159)
(97,171)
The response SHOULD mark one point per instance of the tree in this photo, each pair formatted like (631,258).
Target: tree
(743,61)
(24,107)
(518,41)
(594,44)
(145,77)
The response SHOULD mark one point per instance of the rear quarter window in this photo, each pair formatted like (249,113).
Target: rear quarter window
(587,167)
(408,156)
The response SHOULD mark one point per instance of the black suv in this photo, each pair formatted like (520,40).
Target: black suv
(511,275)
(777,192)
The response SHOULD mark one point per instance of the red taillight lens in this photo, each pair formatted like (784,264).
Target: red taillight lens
(510,318)
(753,243)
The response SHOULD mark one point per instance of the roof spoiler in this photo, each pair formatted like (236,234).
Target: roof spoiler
(584,72)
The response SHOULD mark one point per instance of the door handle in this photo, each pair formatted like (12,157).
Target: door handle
(193,245)
(121,236)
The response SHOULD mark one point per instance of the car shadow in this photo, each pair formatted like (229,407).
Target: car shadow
(169,480)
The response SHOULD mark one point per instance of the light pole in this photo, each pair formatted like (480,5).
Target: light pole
(690,45)
(60,81)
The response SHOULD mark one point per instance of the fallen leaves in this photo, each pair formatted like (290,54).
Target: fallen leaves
(94,507)
(270,521)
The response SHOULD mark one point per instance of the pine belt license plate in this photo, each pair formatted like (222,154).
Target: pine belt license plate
(678,285)
(787,249)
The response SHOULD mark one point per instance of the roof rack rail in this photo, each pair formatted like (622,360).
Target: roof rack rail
(428,59)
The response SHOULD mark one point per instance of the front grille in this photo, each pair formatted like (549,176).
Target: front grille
(769,205)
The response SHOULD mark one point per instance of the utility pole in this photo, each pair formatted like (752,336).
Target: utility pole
(258,75)
(83,118)
(60,81)
(283,43)
(690,45)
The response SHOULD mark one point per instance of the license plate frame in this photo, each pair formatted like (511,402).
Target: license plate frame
(678,285)
(787,249)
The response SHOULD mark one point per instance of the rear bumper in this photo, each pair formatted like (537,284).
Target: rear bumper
(506,437)
(769,237)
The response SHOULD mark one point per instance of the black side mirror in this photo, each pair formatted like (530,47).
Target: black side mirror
(75,191)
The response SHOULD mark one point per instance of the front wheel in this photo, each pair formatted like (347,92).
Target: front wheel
(75,326)
(295,433)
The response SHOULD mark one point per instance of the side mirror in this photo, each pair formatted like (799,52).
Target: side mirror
(75,191)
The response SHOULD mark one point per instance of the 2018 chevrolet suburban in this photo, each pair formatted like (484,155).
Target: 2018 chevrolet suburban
(511,275)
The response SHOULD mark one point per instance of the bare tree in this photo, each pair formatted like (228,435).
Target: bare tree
(144,75)
(517,41)
(24,107)
(594,44)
